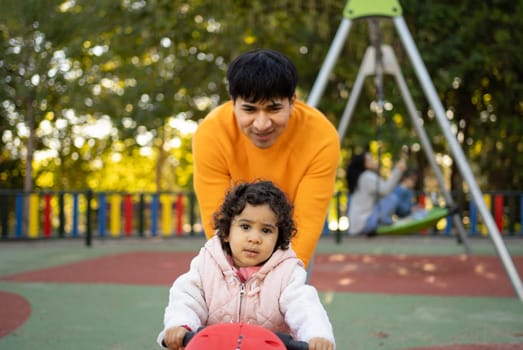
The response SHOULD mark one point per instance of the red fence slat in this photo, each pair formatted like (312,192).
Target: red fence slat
(47,215)
(498,211)
(128,214)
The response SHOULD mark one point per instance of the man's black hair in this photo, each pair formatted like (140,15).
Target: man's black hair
(261,75)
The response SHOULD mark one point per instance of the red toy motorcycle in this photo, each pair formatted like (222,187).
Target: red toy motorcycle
(240,336)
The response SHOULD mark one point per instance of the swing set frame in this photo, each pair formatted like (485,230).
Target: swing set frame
(379,59)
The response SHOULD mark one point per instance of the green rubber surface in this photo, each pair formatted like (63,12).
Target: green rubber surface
(128,317)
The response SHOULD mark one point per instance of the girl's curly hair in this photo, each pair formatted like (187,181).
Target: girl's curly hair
(255,193)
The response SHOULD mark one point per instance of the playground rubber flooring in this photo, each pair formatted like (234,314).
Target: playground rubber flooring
(405,293)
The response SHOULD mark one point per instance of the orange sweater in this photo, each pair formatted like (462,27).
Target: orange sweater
(302,162)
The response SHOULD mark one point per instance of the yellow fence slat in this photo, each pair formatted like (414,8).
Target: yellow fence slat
(166,201)
(115,201)
(488,202)
(33,215)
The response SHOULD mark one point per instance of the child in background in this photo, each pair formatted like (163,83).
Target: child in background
(248,273)
(404,192)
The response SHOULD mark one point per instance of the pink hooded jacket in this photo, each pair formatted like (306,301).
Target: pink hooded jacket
(275,297)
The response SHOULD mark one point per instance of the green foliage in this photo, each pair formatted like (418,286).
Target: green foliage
(105,86)
(471,50)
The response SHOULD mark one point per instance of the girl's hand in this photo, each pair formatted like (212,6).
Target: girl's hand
(173,338)
(320,344)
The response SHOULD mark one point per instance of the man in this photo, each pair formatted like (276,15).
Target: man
(264,132)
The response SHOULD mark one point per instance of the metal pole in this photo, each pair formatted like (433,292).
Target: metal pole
(459,157)
(330,61)
(393,68)
(346,117)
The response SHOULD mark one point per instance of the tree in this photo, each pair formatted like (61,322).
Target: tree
(95,84)
(471,51)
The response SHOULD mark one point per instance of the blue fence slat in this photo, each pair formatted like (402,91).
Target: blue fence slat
(154,214)
(19,215)
(473,218)
(448,226)
(102,209)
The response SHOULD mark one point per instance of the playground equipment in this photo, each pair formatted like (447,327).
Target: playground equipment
(240,336)
(406,226)
(380,59)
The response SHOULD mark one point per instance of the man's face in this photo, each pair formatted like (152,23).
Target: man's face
(263,121)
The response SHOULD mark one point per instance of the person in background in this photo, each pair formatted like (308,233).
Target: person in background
(372,201)
(264,131)
(404,192)
(248,273)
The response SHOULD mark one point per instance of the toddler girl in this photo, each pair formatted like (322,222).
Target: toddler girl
(247,273)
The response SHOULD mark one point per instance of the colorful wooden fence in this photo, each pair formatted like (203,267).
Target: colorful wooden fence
(506,208)
(105,214)
(116,214)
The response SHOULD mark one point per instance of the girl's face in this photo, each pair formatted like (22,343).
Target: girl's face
(253,235)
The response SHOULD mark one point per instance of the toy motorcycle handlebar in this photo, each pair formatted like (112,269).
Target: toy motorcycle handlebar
(287,340)
(292,344)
